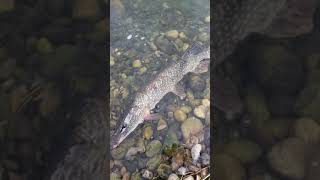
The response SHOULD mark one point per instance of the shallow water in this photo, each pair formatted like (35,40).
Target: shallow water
(140,47)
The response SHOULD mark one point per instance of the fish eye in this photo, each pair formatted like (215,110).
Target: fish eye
(123,127)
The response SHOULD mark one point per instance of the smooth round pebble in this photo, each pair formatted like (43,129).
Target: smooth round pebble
(173,177)
(200,111)
(288,158)
(147,174)
(172,34)
(307,129)
(191,126)
(179,115)
(136,63)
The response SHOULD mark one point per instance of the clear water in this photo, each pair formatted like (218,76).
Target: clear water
(138,30)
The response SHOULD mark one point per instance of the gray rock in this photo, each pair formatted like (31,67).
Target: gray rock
(288,158)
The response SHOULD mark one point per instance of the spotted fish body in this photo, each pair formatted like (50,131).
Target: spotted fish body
(165,82)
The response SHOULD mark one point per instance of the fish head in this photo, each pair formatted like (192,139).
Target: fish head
(129,124)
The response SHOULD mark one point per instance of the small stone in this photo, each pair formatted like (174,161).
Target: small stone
(142,70)
(308,130)
(147,174)
(162,124)
(206,102)
(153,148)
(177,161)
(171,138)
(228,168)
(115,176)
(180,115)
(289,158)
(172,34)
(186,109)
(136,63)
(185,46)
(207,19)
(129,37)
(126,176)
(123,170)
(182,35)
(195,152)
(205,158)
(245,150)
(148,132)
(191,126)
(189,178)
(136,176)
(164,170)
(173,177)
(154,162)
(182,171)
(200,111)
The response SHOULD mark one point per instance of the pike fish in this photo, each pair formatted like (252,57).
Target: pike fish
(233,20)
(195,59)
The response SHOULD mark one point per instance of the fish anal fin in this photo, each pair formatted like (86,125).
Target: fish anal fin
(202,67)
(179,91)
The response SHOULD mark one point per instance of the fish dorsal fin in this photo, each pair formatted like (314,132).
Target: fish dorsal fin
(194,49)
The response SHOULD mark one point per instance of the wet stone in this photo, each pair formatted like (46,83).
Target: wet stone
(164,170)
(191,126)
(246,151)
(147,174)
(289,153)
(153,148)
(228,168)
(154,162)
(308,130)
(173,177)
(179,115)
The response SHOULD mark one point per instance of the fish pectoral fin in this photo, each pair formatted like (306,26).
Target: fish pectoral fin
(152,116)
(202,67)
(179,91)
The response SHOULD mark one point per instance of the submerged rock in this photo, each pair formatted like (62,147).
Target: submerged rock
(191,126)
(228,168)
(147,174)
(179,115)
(164,170)
(195,152)
(153,148)
(172,34)
(154,162)
(307,129)
(289,158)
(277,69)
(246,151)
(173,177)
